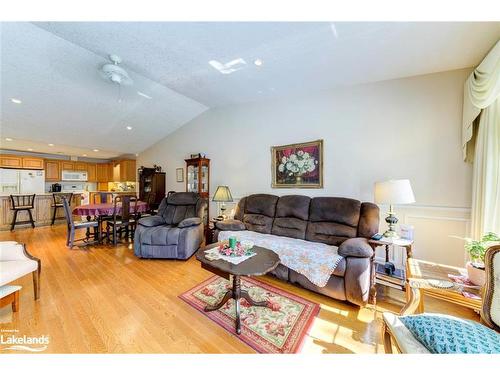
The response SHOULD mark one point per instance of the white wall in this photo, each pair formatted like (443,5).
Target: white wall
(406,128)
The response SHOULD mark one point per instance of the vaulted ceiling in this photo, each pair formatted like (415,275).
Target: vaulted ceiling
(53,69)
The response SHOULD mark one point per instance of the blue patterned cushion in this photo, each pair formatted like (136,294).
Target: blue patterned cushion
(445,334)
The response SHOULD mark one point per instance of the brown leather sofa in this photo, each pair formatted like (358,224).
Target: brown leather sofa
(343,222)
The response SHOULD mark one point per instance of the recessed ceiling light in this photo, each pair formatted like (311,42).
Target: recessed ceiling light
(51,144)
(129,128)
(144,95)
(84,155)
(96,150)
(30,149)
(258,62)
(8,139)
(15,100)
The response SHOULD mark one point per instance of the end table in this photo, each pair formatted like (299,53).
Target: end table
(398,279)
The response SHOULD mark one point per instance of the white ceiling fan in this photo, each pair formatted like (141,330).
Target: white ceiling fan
(114,73)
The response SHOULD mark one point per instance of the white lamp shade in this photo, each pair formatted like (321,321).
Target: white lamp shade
(394,192)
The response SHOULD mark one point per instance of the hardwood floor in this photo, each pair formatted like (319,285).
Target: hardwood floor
(102,299)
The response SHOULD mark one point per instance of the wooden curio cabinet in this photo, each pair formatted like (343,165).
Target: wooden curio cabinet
(198,181)
(151,186)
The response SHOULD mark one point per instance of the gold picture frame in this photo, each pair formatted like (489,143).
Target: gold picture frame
(304,170)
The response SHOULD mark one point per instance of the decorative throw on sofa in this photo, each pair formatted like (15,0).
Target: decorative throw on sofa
(314,260)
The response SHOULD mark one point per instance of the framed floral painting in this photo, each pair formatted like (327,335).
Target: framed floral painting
(298,165)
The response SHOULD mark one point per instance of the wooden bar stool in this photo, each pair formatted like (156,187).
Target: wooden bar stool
(22,203)
(58,203)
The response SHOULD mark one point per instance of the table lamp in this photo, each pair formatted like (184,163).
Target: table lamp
(393,192)
(221,196)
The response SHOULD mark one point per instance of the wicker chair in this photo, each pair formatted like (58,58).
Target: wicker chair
(394,331)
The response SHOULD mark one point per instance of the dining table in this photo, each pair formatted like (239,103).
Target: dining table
(98,211)
(105,209)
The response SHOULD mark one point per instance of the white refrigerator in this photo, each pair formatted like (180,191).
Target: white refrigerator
(22,181)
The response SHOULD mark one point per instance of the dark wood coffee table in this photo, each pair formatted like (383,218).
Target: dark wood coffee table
(258,265)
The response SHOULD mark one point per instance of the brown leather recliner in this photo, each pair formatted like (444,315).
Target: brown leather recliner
(343,222)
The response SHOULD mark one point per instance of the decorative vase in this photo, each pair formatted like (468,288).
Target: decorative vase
(476,275)
(298,179)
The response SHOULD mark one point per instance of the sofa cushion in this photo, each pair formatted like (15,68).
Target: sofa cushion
(329,233)
(151,221)
(292,212)
(183,199)
(162,235)
(337,210)
(368,220)
(189,222)
(174,214)
(261,204)
(239,210)
(289,227)
(230,224)
(258,223)
(296,206)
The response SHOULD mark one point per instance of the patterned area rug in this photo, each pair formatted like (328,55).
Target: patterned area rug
(278,329)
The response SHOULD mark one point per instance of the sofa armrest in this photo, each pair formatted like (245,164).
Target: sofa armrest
(356,247)
(189,222)
(230,224)
(152,221)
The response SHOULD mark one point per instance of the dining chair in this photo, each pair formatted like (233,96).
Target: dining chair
(104,197)
(22,203)
(121,218)
(74,225)
(58,203)
(439,333)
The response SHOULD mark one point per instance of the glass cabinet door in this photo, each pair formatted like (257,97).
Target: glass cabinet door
(192,178)
(204,179)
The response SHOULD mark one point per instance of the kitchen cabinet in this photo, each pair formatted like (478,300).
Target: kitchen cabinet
(124,170)
(67,166)
(102,172)
(52,170)
(110,171)
(32,163)
(11,161)
(80,166)
(92,172)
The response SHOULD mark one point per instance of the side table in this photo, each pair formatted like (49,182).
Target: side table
(398,279)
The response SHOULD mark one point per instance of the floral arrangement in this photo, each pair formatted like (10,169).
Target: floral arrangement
(238,251)
(297,164)
(477,249)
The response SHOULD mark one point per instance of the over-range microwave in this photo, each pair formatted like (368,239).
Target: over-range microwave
(74,176)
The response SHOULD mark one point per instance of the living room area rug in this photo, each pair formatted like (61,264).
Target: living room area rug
(279,328)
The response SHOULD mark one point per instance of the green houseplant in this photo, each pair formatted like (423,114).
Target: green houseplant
(477,250)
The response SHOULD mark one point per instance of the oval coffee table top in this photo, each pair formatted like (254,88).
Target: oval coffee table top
(260,264)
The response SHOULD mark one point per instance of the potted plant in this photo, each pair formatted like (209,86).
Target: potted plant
(477,250)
